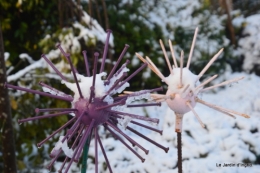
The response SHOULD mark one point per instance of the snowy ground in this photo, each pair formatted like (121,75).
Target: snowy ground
(225,140)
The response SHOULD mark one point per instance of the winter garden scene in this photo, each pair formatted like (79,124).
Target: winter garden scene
(95,86)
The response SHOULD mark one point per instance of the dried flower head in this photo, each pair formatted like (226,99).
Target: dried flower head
(184,86)
(94,104)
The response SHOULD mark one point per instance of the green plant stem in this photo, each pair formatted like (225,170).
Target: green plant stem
(85,155)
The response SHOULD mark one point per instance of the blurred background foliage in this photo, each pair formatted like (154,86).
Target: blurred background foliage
(26,23)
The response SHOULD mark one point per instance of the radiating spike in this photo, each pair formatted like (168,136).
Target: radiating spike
(148,139)
(117,137)
(173,56)
(185,89)
(105,51)
(37,92)
(104,153)
(53,67)
(132,75)
(154,120)
(60,93)
(57,131)
(166,57)
(223,83)
(111,105)
(128,138)
(147,127)
(43,116)
(221,109)
(143,105)
(37,110)
(74,75)
(206,82)
(193,111)
(92,88)
(76,123)
(209,64)
(117,62)
(86,62)
(192,47)
(181,70)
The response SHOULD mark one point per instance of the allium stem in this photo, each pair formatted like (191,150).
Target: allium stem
(148,139)
(38,92)
(53,67)
(85,154)
(104,153)
(86,62)
(154,120)
(105,51)
(117,137)
(179,148)
(57,131)
(128,138)
(43,116)
(117,62)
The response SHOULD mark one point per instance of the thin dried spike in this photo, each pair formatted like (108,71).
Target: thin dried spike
(76,123)
(192,47)
(173,56)
(37,92)
(206,82)
(128,138)
(223,83)
(148,139)
(193,111)
(96,151)
(82,142)
(166,57)
(143,105)
(185,89)
(132,93)
(198,100)
(117,62)
(74,75)
(105,51)
(57,131)
(157,71)
(117,137)
(209,64)
(181,69)
(111,105)
(37,110)
(104,153)
(147,127)
(132,75)
(221,109)
(43,116)
(53,67)
(86,62)
(92,88)
(73,147)
(65,55)
(60,93)
(149,65)
(154,120)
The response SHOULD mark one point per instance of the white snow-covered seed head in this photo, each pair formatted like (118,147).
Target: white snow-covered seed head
(184,86)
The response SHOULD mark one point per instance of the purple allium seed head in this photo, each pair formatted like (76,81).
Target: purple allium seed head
(93,104)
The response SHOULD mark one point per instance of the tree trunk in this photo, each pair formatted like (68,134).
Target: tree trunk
(6,128)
